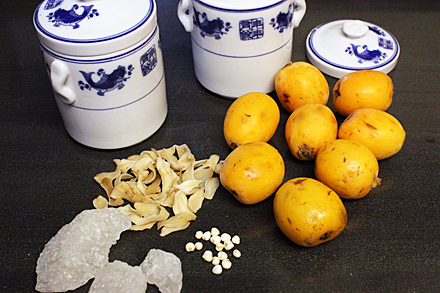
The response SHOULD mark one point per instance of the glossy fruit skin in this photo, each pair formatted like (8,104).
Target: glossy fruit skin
(379,131)
(252,172)
(308,128)
(301,83)
(363,89)
(250,118)
(347,167)
(308,212)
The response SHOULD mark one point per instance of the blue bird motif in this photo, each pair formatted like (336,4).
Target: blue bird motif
(366,55)
(283,20)
(107,82)
(62,17)
(211,28)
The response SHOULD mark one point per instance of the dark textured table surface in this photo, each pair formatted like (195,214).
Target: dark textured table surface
(392,239)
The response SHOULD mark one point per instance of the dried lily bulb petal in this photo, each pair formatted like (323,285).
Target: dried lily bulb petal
(165,230)
(154,187)
(100,202)
(180,203)
(187,160)
(121,178)
(111,175)
(211,186)
(182,150)
(195,201)
(211,162)
(188,174)
(143,164)
(124,165)
(167,174)
(128,191)
(204,173)
(168,155)
(189,186)
(218,167)
(169,200)
(107,184)
(177,221)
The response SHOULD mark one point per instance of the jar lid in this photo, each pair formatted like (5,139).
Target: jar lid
(343,46)
(93,27)
(239,4)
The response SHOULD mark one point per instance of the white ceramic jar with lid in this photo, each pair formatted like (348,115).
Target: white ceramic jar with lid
(105,64)
(239,46)
(343,46)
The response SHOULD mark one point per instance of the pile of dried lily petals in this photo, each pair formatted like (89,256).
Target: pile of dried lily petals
(157,182)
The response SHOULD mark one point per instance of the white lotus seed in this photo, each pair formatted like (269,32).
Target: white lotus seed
(207,256)
(226,264)
(198,245)
(215,260)
(236,253)
(206,236)
(199,235)
(236,239)
(225,237)
(215,239)
(229,245)
(215,231)
(189,247)
(219,246)
(222,255)
(217,269)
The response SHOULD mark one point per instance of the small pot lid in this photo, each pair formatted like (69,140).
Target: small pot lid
(93,27)
(343,46)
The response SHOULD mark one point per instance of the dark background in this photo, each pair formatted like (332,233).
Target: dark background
(392,239)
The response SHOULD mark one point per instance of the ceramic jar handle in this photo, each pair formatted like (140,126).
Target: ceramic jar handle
(300,10)
(185,14)
(59,75)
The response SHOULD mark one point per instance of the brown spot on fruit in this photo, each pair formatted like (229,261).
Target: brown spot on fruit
(325,236)
(299,181)
(370,126)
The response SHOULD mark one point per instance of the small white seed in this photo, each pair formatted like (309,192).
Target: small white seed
(215,260)
(236,253)
(207,256)
(236,239)
(198,245)
(217,269)
(199,235)
(222,255)
(206,236)
(190,246)
(219,247)
(226,264)
(225,237)
(215,239)
(229,245)
(215,231)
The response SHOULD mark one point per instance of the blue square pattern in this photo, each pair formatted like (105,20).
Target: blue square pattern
(386,44)
(148,61)
(251,29)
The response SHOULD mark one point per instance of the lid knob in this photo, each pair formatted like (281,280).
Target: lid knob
(355,29)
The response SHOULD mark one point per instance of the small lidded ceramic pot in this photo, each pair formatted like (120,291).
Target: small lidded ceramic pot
(104,60)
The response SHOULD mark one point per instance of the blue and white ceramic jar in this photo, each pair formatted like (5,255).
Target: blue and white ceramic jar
(239,45)
(106,68)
